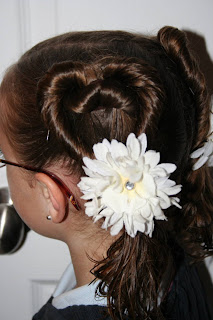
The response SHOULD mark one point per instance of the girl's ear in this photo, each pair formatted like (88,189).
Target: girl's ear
(55,199)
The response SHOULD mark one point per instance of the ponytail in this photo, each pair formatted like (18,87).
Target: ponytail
(195,228)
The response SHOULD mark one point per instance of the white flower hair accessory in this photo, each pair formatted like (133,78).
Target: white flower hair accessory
(127,186)
(205,153)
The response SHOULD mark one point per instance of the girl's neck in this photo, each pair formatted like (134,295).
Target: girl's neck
(82,266)
(81,250)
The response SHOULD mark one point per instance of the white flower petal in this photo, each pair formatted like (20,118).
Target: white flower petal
(91,208)
(158,172)
(135,206)
(143,141)
(105,224)
(117,202)
(118,150)
(116,228)
(161,182)
(175,201)
(208,148)
(165,201)
(197,153)
(139,218)
(117,183)
(165,182)
(89,212)
(89,172)
(205,153)
(111,162)
(133,146)
(96,183)
(161,217)
(149,185)
(106,212)
(100,151)
(210,161)
(114,218)
(152,158)
(146,213)
(158,212)
(154,201)
(169,183)
(138,226)
(149,227)
(201,161)
(173,190)
(88,196)
(127,222)
(97,217)
(107,144)
(81,185)
(135,177)
(168,167)
(98,166)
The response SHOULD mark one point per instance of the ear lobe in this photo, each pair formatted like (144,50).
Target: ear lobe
(54,197)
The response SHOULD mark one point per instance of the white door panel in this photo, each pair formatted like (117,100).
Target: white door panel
(28,277)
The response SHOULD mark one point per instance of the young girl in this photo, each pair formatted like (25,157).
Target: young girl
(106,140)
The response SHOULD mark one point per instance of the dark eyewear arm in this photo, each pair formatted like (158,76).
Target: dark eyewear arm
(56,179)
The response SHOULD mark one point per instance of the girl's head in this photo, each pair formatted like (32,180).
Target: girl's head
(72,91)
(83,87)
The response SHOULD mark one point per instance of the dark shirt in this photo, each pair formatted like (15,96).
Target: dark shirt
(71,313)
(185,301)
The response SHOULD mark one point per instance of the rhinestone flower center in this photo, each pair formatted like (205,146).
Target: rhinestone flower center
(129,185)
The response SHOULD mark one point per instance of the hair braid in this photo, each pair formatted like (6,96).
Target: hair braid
(196,184)
(176,45)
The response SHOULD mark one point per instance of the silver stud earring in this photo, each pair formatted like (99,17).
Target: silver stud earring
(49,218)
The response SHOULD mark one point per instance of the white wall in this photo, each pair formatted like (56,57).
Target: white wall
(26,22)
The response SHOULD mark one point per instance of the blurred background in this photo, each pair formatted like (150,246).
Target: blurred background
(28,276)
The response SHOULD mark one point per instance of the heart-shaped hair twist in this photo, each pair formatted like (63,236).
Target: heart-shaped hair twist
(78,99)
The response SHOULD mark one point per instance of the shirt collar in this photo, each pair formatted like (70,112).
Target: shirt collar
(65,295)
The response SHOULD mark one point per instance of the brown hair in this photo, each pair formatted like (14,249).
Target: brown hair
(86,86)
